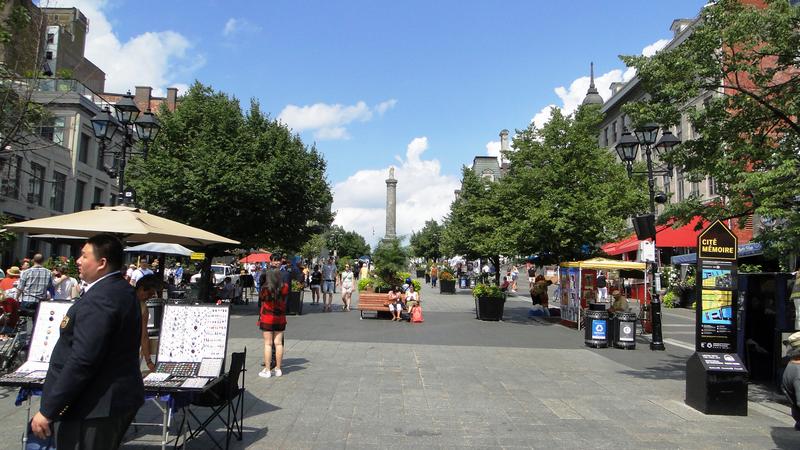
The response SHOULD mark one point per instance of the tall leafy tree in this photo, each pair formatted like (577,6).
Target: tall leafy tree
(243,176)
(426,243)
(576,194)
(473,226)
(747,136)
(346,242)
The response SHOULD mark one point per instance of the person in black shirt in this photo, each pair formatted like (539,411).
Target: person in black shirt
(316,282)
(602,287)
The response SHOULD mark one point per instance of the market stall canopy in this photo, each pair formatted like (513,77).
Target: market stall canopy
(131,224)
(256,258)
(666,237)
(160,247)
(605,263)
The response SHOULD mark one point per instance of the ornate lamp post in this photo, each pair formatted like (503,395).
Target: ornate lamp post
(129,121)
(627,148)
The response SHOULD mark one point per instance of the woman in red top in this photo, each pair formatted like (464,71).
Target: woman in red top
(272,315)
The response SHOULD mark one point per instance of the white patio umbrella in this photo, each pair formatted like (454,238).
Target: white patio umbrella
(160,247)
(130,224)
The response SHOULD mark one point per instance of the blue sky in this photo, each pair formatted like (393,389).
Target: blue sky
(422,85)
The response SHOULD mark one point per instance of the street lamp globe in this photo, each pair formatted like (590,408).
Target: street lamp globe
(103,125)
(647,133)
(127,111)
(147,127)
(666,143)
(627,147)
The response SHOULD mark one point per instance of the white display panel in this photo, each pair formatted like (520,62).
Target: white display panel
(191,333)
(47,330)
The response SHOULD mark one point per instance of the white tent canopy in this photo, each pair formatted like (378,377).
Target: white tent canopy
(160,247)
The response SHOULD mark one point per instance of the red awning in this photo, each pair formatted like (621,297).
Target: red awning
(666,236)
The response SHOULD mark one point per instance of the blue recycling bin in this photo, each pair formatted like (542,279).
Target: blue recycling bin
(596,330)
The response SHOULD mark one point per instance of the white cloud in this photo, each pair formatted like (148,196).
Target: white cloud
(423,193)
(154,58)
(328,121)
(230,27)
(572,96)
(493,148)
(235,26)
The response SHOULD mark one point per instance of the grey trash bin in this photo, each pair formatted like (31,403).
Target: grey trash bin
(596,330)
(625,330)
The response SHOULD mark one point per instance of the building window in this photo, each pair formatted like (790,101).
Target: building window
(83,148)
(48,56)
(98,195)
(614,131)
(668,185)
(80,191)
(59,187)
(605,137)
(53,130)
(51,38)
(99,161)
(10,173)
(679,186)
(36,185)
(712,187)
(695,189)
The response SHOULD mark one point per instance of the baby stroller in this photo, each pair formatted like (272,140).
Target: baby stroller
(15,335)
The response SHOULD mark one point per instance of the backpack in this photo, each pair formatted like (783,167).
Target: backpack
(416,315)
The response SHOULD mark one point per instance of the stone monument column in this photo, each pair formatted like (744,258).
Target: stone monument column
(391,206)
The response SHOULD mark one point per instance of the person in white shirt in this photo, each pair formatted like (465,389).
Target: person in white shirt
(144,269)
(64,286)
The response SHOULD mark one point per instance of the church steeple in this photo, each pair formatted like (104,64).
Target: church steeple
(592,96)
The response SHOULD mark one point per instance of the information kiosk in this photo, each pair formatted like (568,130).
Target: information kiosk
(716,379)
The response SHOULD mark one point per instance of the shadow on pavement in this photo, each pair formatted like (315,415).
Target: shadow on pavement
(293,364)
(785,437)
(668,367)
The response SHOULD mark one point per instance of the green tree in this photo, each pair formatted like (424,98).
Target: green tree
(390,259)
(747,134)
(473,226)
(313,247)
(346,242)
(576,194)
(242,176)
(427,242)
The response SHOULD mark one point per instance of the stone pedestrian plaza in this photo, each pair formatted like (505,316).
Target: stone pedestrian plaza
(456,382)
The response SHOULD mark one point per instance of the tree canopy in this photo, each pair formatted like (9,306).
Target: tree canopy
(244,176)
(426,243)
(743,60)
(346,242)
(576,195)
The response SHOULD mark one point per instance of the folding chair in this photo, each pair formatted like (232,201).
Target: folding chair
(226,396)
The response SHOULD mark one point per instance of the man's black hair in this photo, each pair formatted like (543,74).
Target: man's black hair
(109,247)
(147,282)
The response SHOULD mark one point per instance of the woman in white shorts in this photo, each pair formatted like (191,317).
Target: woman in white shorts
(348,285)
(395,303)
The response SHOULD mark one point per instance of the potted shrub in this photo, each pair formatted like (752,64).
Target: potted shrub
(366,284)
(489,301)
(421,269)
(294,304)
(447,281)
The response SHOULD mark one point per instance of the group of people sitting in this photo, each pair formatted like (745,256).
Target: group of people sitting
(403,298)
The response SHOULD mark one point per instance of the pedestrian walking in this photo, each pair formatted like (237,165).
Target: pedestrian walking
(328,284)
(316,283)
(514,276)
(434,275)
(791,376)
(272,315)
(34,284)
(348,284)
(602,287)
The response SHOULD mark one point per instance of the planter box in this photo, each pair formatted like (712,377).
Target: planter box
(447,286)
(294,303)
(489,308)
(420,273)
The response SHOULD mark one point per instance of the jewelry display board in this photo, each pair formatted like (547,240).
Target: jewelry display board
(193,341)
(46,331)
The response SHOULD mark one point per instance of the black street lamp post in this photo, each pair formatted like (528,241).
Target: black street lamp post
(627,148)
(129,121)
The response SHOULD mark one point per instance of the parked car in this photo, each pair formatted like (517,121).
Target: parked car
(220,271)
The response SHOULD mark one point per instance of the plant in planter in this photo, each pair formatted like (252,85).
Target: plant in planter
(489,302)
(294,303)
(366,284)
(447,281)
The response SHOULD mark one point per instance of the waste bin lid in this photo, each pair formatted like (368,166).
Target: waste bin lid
(591,314)
(627,316)
(597,306)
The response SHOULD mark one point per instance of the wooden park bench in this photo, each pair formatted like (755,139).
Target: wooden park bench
(370,301)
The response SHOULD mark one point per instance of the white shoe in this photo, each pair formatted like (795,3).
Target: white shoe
(278,372)
(265,373)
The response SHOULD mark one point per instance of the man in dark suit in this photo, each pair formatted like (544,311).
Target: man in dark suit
(93,386)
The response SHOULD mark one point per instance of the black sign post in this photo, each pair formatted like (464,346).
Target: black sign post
(716,380)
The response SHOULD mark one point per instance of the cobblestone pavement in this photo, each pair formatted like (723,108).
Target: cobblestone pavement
(458,382)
